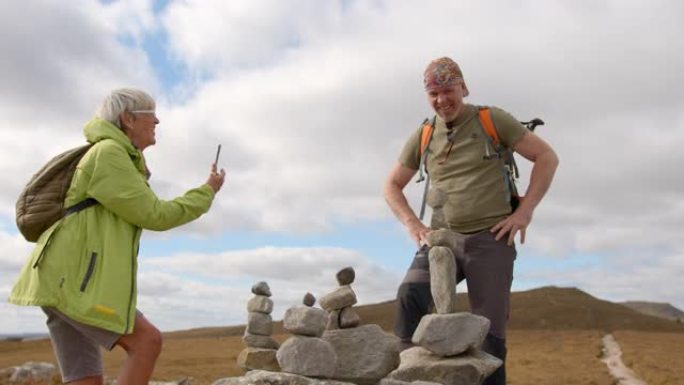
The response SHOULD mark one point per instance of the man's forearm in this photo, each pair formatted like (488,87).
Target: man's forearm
(540,179)
(396,200)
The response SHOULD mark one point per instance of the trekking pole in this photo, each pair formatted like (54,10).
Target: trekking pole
(425,191)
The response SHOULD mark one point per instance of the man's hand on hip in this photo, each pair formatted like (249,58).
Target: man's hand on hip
(517,221)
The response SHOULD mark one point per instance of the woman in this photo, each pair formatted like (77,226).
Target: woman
(82,271)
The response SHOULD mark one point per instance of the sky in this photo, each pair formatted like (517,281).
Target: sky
(312,102)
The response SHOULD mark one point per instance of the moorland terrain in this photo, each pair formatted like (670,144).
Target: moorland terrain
(554,338)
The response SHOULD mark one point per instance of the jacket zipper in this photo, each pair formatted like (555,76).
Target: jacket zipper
(89,272)
(136,240)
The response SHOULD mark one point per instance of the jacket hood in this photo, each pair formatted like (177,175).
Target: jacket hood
(98,129)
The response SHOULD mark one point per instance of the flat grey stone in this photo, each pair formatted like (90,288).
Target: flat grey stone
(451,334)
(418,364)
(259,323)
(305,321)
(307,356)
(260,304)
(346,276)
(389,381)
(261,377)
(364,354)
(261,288)
(443,279)
(339,299)
(256,358)
(257,341)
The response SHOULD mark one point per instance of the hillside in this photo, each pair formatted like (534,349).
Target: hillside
(546,308)
(656,309)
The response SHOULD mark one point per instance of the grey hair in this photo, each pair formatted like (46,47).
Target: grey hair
(121,100)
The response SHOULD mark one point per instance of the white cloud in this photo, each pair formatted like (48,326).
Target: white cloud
(313,102)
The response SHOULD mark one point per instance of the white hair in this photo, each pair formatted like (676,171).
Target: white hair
(121,100)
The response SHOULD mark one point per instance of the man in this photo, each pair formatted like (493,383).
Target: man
(478,208)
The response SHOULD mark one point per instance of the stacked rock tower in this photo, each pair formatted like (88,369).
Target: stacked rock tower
(261,347)
(365,354)
(449,350)
(305,353)
(339,303)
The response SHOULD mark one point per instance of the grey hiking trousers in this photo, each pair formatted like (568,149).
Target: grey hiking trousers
(487,266)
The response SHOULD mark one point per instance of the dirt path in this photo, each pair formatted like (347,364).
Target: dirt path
(612,357)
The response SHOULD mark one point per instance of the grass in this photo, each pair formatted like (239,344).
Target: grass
(655,357)
(550,357)
(554,338)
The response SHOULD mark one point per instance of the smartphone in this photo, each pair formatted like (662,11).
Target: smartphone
(218,152)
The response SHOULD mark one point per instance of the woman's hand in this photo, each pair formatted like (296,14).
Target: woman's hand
(216,179)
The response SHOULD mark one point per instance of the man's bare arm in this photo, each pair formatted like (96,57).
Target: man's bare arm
(545,160)
(398,178)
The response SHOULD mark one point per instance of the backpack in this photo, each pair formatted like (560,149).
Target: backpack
(510,169)
(41,202)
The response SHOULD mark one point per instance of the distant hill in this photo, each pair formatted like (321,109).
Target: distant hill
(656,309)
(552,308)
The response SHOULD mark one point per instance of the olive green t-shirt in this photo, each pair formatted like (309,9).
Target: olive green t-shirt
(478,197)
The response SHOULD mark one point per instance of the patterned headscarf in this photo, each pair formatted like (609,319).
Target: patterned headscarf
(443,72)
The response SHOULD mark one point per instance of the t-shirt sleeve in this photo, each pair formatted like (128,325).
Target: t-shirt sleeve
(410,154)
(510,130)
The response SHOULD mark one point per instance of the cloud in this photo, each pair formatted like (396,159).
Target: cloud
(312,104)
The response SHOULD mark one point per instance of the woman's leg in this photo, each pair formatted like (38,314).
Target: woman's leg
(142,348)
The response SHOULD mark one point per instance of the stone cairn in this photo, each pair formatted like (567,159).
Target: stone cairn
(449,350)
(261,347)
(365,354)
(305,353)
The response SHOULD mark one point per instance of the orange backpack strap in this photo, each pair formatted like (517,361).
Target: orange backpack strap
(426,135)
(488,124)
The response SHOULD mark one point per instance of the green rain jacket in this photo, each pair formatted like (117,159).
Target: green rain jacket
(85,264)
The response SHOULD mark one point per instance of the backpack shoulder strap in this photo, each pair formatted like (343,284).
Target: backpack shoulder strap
(488,125)
(426,135)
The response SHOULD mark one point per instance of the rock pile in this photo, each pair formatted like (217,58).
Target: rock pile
(449,342)
(305,353)
(365,354)
(261,347)
(339,303)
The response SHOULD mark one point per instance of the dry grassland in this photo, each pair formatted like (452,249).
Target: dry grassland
(556,358)
(655,357)
(535,357)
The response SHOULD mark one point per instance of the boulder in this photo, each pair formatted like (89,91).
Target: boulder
(307,356)
(259,324)
(261,288)
(419,364)
(443,279)
(346,276)
(256,358)
(343,297)
(364,354)
(260,304)
(451,334)
(305,321)
(257,341)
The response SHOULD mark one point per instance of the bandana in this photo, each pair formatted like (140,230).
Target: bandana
(443,72)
